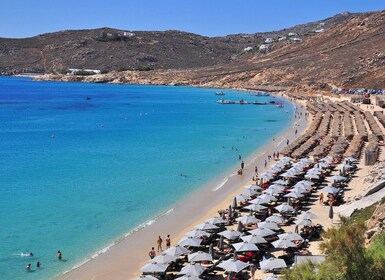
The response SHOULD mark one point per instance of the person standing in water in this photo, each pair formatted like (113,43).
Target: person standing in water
(59,255)
(242,164)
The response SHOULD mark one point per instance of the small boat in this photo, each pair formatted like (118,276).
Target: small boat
(224,101)
(243,102)
(259,103)
(220,93)
(262,94)
(280,105)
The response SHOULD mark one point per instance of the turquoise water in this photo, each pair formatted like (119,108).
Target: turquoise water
(77,173)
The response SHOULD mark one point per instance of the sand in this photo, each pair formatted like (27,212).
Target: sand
(124,260)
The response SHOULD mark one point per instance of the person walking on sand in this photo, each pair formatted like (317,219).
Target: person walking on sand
(256,170)
(152,253)
(59,255)
(321,198)
(242,164)
(265,163)
(168,242)
(159,243)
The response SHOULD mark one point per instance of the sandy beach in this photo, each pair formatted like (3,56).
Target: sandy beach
(124,260)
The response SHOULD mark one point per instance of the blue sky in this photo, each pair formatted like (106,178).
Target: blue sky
(26,18)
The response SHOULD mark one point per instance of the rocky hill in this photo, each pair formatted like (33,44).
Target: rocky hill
(116,50)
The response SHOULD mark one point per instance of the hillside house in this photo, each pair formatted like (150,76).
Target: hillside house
(263,48)
(282,39)
(296,39)
(319,30)
(269,40)
(74,71)
(248,49)
(291,34)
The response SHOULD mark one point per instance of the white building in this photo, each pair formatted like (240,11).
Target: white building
(296,39)
(74,71)
(282,39)
(291,34)
(263,47)
(248,49)
(269,40)
(319,30)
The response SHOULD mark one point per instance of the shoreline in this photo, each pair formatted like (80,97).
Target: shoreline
(123,258)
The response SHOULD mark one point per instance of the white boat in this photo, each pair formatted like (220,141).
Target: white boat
(224,101)
(262,94)
(243,102)
(220,93)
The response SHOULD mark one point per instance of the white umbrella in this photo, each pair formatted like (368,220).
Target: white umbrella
(190,241)
(255,207)
(265,176)
(176,251)
(344,166)
(272,263)
(263,232)
(233,265)
(248,220)
(332,190)
(338,178)
(289,174)
(188,277)
(206,226)
(306,183)
(294,195)
(311,176)
(230,234)
(308,216)
(215,221)
(197,233)
(260,200)
(280,182)
(283,243)
(303,222)
(268,196)
(300,189)
(272,226)
(351,159)
(284,208)
(291,236)
(164,258)
(322,165)
(243,197)
(246,194)
(154,267)
(272,191)
(192,269)
(274,219)
(253,187)
(254,239)
(326,159)
(199,257)
(245,247)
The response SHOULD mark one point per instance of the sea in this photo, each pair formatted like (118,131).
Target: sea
(83,165)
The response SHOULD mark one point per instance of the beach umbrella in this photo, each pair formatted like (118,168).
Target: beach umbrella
(254,239)
(351,159)
(303,222)
(242,197)
(154,267)
(291,236)
(280,182)
(308,216)
(197,233)
(331,213)
(192,269)
(284,208)
(289,174)
(263,232)
(260,200)
(233,265)
(344,166)
(312,176)
(253,187)
(216,221)
(230,234)
(268,196)
(331,190)
(164,258)
(272,226)
(322,165)
(206,226)
(188,277)
(199,257)
(338,178)
(176,251)
(294,195)
(265,176)
(300,189)
(283,243)
(146,277)
(255,207)
(272,264)
(246,194)
(245,247)
(305,183)
(248,220)
(190,241)
(274,219)
(326,159)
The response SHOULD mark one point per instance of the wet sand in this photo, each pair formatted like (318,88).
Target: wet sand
(124,260)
